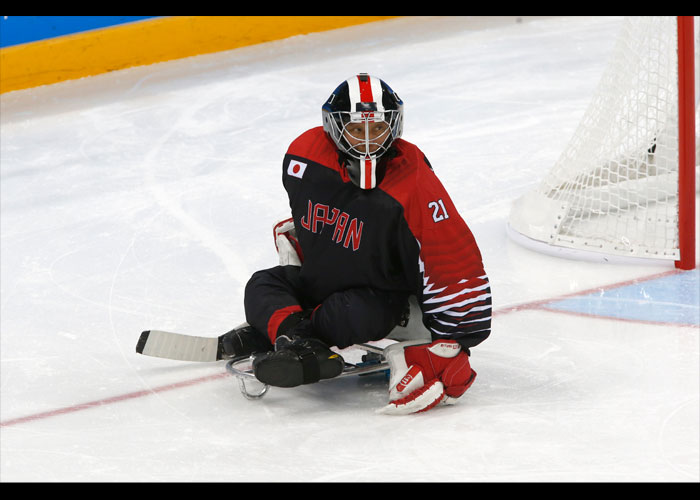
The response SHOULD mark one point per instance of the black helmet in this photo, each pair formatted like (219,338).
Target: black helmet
(364,117)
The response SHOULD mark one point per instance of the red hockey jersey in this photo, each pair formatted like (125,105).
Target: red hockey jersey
(404,235)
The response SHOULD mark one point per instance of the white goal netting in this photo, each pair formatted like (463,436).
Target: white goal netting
(614,189)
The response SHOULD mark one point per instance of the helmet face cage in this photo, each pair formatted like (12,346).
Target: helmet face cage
(362,134)
(363,117)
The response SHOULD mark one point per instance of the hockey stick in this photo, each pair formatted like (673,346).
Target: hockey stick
(183,347)
(179,346)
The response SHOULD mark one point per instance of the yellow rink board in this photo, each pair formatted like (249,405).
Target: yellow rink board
(150,41)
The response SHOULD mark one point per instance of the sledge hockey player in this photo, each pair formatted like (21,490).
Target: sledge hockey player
(371,226)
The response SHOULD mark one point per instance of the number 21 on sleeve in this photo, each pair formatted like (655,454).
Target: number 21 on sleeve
(439,211)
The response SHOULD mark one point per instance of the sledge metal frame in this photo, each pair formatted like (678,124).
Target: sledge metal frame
(242,369)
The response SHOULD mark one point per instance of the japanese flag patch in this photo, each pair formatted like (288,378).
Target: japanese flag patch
(296,168)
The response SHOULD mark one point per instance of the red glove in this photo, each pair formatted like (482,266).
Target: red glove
(287,244)
(424,375)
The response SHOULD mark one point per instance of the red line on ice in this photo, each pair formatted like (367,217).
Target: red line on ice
(114,399)
(537,304)
(541,304)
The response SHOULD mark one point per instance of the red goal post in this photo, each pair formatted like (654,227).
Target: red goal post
(686,143)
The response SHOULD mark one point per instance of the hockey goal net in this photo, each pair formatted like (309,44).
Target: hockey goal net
(625,184)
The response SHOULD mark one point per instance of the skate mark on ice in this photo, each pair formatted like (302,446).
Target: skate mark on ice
(169,202)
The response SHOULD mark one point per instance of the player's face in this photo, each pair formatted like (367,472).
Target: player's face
(366,136)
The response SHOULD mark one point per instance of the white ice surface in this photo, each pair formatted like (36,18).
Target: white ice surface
(145,198)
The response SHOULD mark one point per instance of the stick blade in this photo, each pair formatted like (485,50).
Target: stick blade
(177,346)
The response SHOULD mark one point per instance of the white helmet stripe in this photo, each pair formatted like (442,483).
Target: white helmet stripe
(354,91)
(377,92)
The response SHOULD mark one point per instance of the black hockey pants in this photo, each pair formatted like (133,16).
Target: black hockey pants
(342,319)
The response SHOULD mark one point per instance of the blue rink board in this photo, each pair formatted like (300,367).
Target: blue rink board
(23,29)
(669,299)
